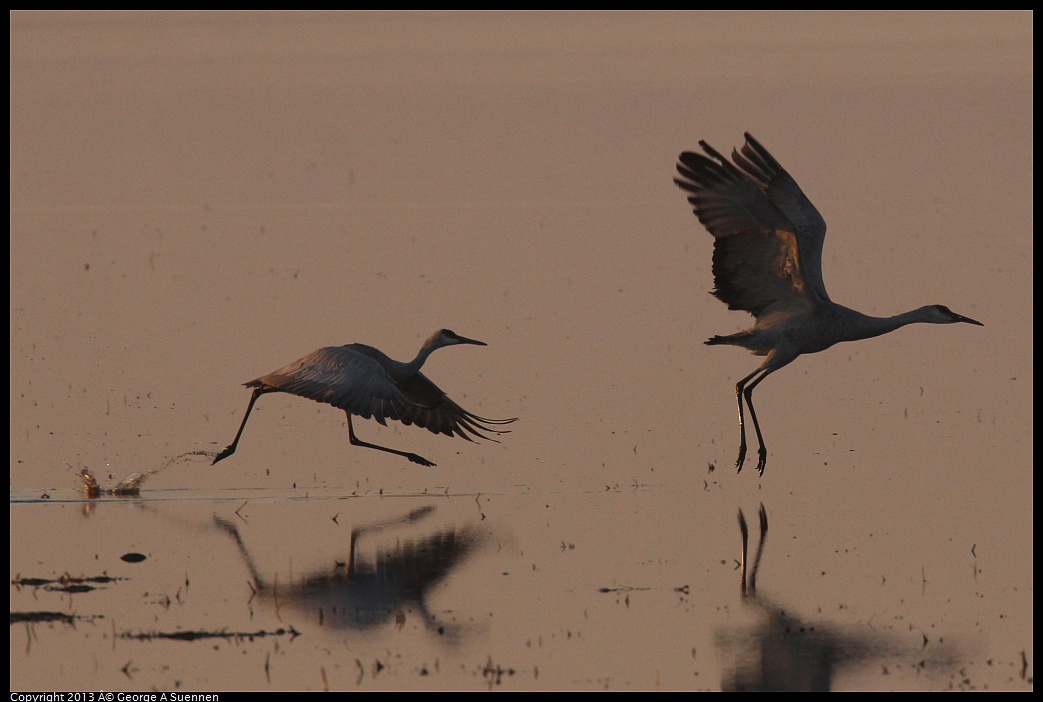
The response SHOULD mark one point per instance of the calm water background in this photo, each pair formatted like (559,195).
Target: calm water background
(198,199)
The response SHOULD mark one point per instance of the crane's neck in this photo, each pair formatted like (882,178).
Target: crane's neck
(868,327)
(413,367)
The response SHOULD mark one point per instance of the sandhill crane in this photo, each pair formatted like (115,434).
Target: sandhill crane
(767,260)
(361,380)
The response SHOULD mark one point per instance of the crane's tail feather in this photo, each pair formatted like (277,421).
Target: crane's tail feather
(739,339)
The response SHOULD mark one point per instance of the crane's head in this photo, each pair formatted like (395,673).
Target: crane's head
(940,314)
(447,337)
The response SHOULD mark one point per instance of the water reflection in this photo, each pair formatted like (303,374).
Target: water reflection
(783,652)
(368,592)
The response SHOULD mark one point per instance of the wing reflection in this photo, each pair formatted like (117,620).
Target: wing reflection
(369,592)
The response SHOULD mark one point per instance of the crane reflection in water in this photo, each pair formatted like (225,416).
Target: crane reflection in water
(784,652)
(365,593)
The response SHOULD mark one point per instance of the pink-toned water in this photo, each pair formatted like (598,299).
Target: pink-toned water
(198,199)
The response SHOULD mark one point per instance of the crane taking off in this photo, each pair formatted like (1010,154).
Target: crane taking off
(361,380)
(767,260)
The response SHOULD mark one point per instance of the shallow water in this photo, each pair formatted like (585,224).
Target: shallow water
(198,199)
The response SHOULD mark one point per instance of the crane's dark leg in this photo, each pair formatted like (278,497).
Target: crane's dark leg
(762,452)
(739,387)
(355,441)
(231,448)
(773,362)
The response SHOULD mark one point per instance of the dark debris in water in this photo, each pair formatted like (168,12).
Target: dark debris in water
(36,617)
(202,635)
(66,583)
(624,588)
(494,673)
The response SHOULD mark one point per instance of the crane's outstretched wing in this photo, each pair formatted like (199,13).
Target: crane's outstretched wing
(768,236)
(782,190)
(343,377)
(352,378)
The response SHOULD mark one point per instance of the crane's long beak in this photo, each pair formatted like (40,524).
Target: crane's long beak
(465,340)
(961,318)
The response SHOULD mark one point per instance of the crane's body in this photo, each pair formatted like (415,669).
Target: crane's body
(767,261)
(364,381)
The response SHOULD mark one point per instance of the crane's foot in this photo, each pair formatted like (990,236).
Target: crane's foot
(417,459)
(741,459)
(223,455)
(763,458)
